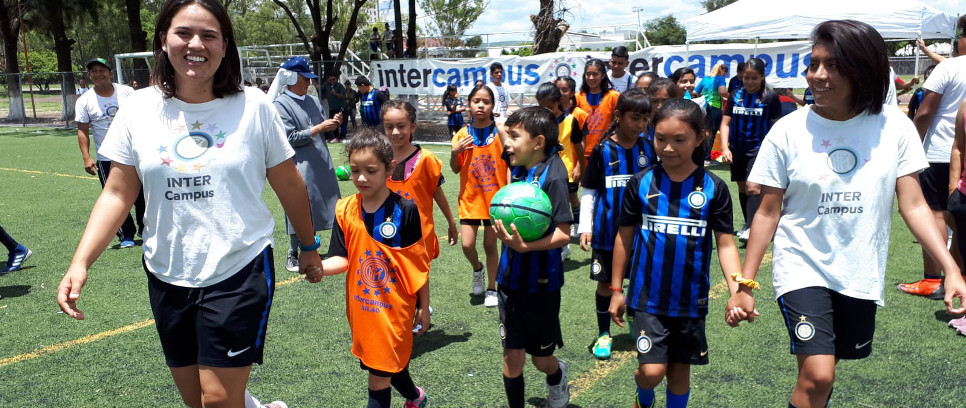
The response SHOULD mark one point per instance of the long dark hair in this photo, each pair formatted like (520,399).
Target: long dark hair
(449,89)
(632,100)
(548,91)
(689,112)
(573,88)
(228,77)
(861,56)
(605,84)
(483,88)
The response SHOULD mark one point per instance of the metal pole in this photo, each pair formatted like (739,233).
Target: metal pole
(26,57)
(640,29)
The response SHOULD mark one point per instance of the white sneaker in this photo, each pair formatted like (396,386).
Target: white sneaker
(743,234)
(478,278)
(490,300)
(565,253)
(559,395)
(292,262)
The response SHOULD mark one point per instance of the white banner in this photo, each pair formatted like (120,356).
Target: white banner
(785,66)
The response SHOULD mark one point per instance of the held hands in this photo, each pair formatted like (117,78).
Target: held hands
(69,291)
(463,145)
(585,239)
(616,308)
(310,265)
(514,241)
(739,302)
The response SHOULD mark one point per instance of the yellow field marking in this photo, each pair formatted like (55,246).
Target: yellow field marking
(602,369)
(49,173)
(95,337)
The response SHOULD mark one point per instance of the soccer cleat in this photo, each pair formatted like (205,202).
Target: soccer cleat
(16,259)
(490,300)
(930,288)
(127,242)
(275,404)
(743,234)
(602,346)
(559,395)
(292,262)
(478,277)
(420,402)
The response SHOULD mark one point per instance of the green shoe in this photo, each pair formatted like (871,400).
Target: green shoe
(602,346)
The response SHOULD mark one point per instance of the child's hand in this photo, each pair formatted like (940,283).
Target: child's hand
(738,306)
(585,241)
(514,241)
(616,308)
(422,320)
(453,234)
(463,145)
(576,174)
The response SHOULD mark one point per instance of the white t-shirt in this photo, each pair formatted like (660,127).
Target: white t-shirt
(839,179)
(623,83)
(948,79)
(502,99)
(203,167)
(890,98)
(99,112)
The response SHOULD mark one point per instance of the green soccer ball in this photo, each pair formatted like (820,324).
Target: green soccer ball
(524,205)
(342,173)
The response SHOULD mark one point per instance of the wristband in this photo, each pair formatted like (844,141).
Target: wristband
(313,247)
(613,289)
(747,282)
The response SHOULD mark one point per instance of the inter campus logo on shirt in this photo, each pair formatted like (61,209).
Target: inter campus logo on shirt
(840,161)
(187,156)
(483,169)
(110,110)
(377,277)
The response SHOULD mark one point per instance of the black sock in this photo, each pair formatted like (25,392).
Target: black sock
(514,391)
(743,200)
(576,213)
(379,398)
(554,379)
(603,316)
(403,383)
(753,202)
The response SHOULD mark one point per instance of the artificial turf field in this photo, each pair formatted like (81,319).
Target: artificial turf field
(113,358)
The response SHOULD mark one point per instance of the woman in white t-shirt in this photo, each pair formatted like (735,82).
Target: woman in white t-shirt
(202,147)
(829,174)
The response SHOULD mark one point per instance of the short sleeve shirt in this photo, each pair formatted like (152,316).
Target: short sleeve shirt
(948,79)
(99,112)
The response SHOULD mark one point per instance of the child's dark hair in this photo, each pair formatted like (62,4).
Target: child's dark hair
(537,120)
(449,89)
(548,91)
(689,112)
(632,100)
(573,88)
(679,73)
(605,84)
(402,105)
(369,138)
(759,66)
(664,84)
(483,88)
(861,57)
(619,51)
(494,66)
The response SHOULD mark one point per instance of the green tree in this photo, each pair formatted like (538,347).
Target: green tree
(317,44)
(712,5)
(265,23)
(665,31)
(449,19)
(10,35)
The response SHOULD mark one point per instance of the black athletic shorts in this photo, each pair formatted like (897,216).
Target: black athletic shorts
(935,185)
(476,223)
(600,265)
(822,321)
(741,164)
(662,339)
(222,325)
(530,321)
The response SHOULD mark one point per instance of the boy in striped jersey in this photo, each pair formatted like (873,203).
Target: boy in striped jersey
(666,221)
(531,273)
(370,102)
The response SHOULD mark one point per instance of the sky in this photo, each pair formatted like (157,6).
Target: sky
(513,15)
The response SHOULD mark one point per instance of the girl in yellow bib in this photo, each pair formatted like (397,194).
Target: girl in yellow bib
(376,241)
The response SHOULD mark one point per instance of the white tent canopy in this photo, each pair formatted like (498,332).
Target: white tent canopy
(777,20)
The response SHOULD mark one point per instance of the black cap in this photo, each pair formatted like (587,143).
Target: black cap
(98,61)
(362,80)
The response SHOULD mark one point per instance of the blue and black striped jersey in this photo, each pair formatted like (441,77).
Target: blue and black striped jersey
(540,271)
(670,258)
(808,97)
(609,168)
(395,223)
(752,115)
(370,107)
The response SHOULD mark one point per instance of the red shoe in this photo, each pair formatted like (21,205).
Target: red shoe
(930,288)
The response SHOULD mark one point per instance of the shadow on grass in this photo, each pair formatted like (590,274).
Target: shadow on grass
(14,291)
(941,315)
(539,402)
(476,300)
(434,339)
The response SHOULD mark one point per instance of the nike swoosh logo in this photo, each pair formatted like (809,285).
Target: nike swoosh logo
(615,162)
(546,347)
(235,353)
(858,346)
(704,353)
(650,196)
